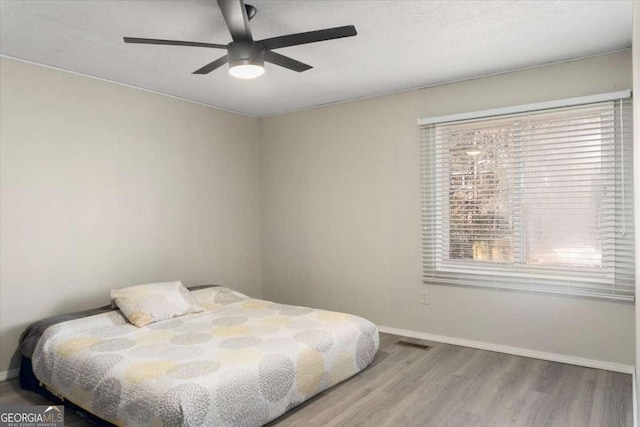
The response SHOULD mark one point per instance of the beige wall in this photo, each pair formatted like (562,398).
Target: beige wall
(104,186)
(341,217)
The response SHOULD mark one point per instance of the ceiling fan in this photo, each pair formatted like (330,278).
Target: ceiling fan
(245,56)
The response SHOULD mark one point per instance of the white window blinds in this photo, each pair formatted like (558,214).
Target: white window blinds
(537,201)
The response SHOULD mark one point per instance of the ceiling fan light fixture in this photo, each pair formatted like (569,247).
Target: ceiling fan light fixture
(246,71)
(246,60)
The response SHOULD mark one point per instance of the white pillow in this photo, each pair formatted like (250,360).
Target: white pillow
(145,304)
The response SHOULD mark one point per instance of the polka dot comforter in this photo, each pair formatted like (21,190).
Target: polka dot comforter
(242,362)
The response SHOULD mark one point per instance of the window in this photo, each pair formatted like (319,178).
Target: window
(539,200)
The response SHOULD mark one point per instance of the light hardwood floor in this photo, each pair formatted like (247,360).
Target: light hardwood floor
(449,386)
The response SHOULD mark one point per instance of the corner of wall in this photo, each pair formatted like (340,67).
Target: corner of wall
(635,52)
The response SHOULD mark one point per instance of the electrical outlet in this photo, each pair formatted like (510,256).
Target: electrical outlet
(424,297)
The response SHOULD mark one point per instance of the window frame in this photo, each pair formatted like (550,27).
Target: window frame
(518,267)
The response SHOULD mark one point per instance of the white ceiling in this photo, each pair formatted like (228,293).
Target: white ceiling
(400,44)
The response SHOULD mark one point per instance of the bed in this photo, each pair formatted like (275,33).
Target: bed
(241,362)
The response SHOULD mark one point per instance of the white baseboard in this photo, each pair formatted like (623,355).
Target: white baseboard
(11,373)
(517,351)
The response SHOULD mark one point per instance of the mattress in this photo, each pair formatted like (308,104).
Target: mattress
(243,362)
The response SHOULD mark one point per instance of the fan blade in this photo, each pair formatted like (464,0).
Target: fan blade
(285,61)
(309,37)
(212,65)
(172,42)
(235,15)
